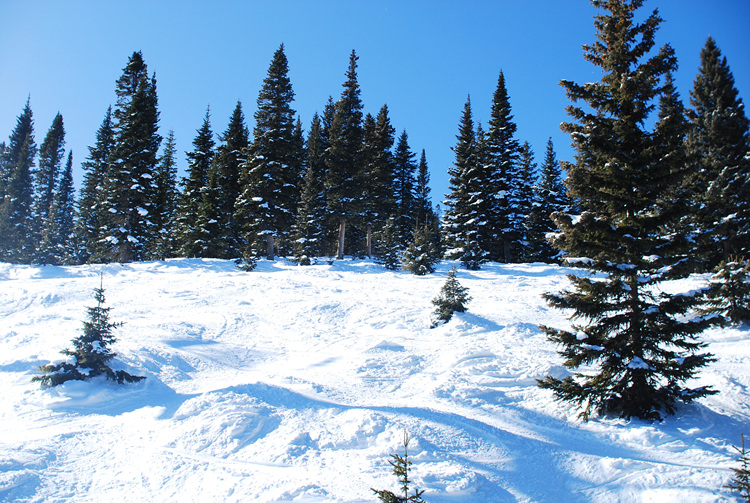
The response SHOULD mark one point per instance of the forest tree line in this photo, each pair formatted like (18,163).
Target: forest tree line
(351,186)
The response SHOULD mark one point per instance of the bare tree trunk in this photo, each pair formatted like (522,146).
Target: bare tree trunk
(269,246)
(342,233)
(369,240)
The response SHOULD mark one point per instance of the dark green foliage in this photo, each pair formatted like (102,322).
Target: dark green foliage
(719,143)
(51,154)
(200,161)
(639,344)
(388,252)
(549,197)
(91,351)
(267,203)
(524,201)
(134,156)
(165,200)
(729,293)
(58,239)
(462,218)
(309,229)
(345,156)
(16,219)
(404,169)
(401,467)
(423,211)
(741,481)
(92,210)
(421,255)
(452,299)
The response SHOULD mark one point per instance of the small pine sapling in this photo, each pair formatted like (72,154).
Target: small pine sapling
(421,256)
(741,482)
(91,351)
(401,466)
(729,293)
(452,299)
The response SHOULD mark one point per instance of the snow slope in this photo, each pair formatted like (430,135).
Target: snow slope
(296,384)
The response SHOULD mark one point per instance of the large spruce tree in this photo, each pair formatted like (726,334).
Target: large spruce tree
(462,219)
(266,206)
(165,200)
(16,223)
(130,190)
(92,210)
(51,153)
(345,156)
(638,343)
(58,240)
(719,144)
(404,169)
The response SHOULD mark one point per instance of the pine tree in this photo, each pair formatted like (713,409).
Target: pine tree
(388,252)
(345,156)
(404,169)
(165,198)
(267,204)
(505,221)
(92,210)
(401,468)
(461,218)
(133,163)
(421,255)
(452,299)
(549,197)
(309,229)
(58,238)
(16,224)
(524,195)
(231,155)
(51,153)
(210,240)
(200,160)
(91,351)
(639,344)
(729,294)
(719,142)
(422,200)
(741,481)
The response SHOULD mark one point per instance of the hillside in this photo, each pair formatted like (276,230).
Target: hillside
(296,384)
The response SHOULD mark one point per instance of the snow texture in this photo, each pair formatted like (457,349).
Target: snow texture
(295,384)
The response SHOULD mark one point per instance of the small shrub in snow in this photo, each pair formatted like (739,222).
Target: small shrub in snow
(452,298)
(741,482)
(91,351)
(730,291)
(401,471)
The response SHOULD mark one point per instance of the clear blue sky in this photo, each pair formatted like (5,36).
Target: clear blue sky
(422,58)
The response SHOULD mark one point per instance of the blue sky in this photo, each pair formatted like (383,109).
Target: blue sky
(422,58)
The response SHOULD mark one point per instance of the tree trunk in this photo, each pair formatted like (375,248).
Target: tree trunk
(506,251)
(342,233)
(269,246)
(369,240)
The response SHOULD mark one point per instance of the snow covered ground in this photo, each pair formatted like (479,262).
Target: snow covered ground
(296,384)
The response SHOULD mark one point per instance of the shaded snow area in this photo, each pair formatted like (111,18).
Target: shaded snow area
(296,383)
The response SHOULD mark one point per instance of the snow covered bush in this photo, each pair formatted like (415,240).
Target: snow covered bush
(729,293)
(452,298)
(91,351)
(421,256)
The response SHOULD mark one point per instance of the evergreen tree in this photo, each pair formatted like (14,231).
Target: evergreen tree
(549,197)
(200,160)
(741,481)
(524,195)
(92,210)
(58,238)
(719,144)
(404,169)
(452,299)
(639,343)
(231,155)
(505,221)
(461,218)
(388,252)
(165,197)
(210,240)
(401,467)
(422,200)
(266,206)
(16,225)
(345,156)
(421,255)
(91,351)
(130,191)
(309,230)
(51,154)
(729,294)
